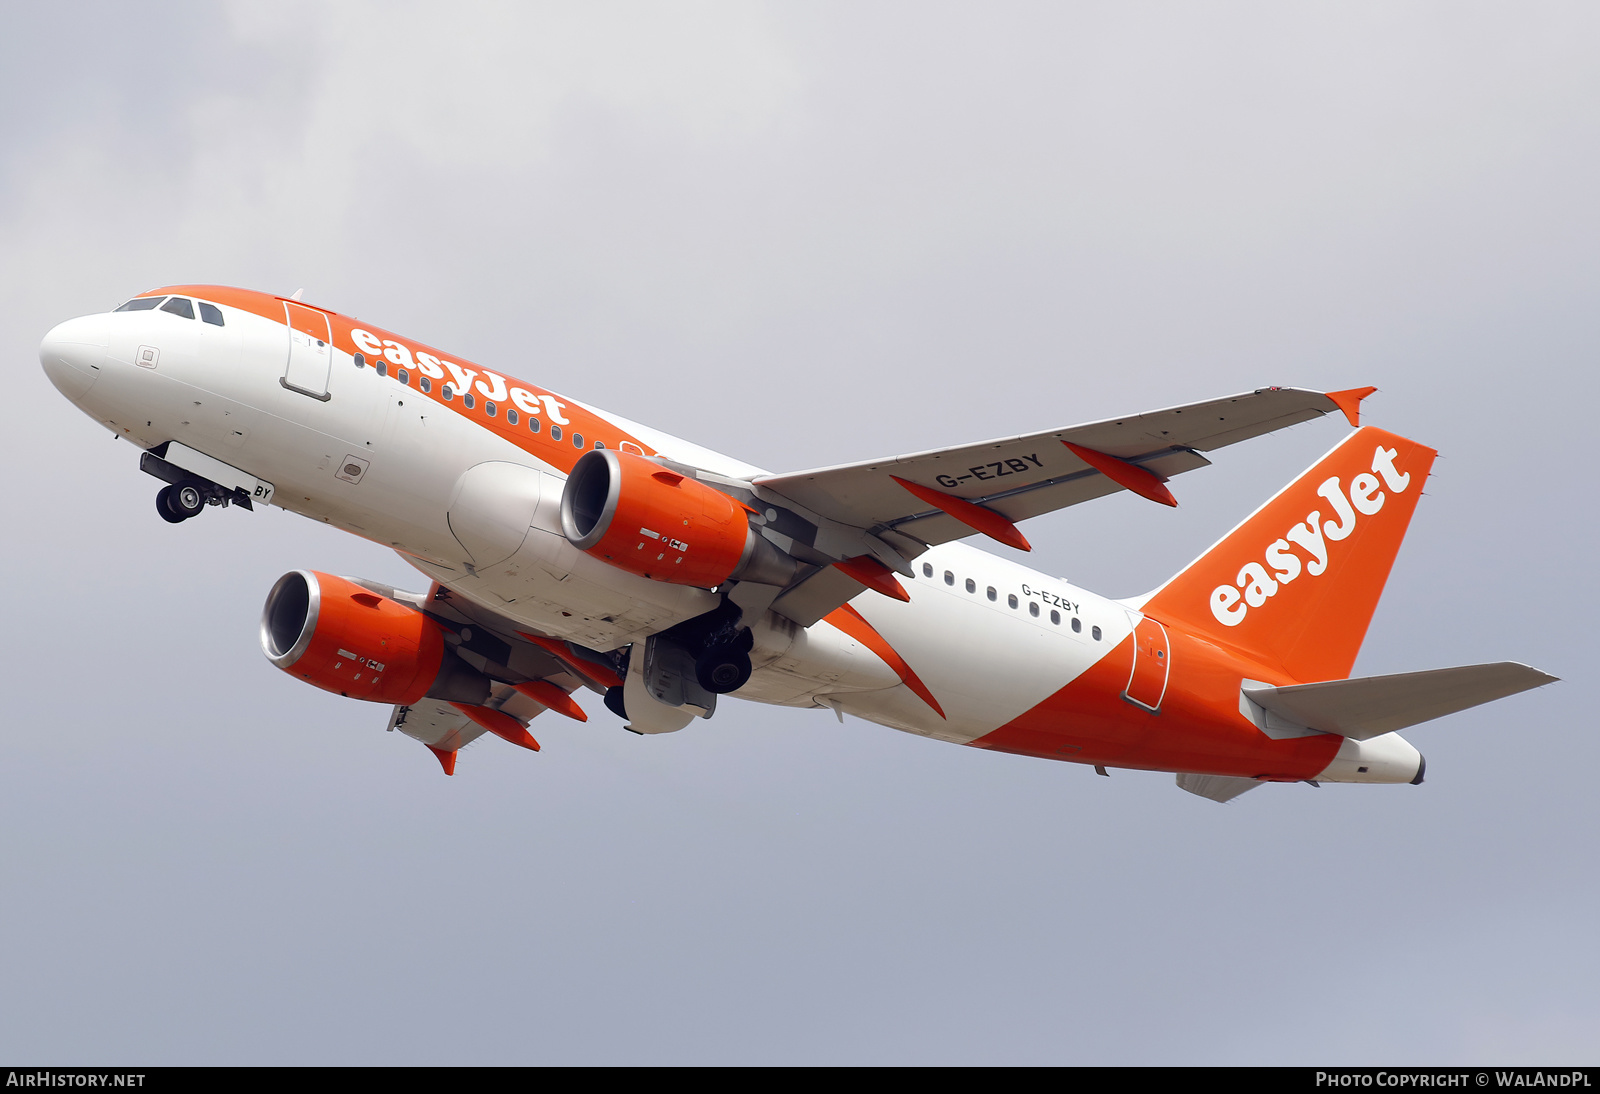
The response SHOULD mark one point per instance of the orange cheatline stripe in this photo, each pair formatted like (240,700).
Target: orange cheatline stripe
(874,575)
(851,622)
(447,759)
(1129,476)
(974,516)
(499,723)
(542,691)
(558,648)
(1349,401)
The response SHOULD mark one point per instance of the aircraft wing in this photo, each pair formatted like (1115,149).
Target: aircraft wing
(1020,477)
(529,674)
(437,724)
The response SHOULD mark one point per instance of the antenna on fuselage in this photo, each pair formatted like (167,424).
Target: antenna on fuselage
(296,294)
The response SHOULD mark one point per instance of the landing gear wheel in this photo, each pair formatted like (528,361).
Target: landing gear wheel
(178,503)
(187,500)
(614,703)
(723,668)
(164,507)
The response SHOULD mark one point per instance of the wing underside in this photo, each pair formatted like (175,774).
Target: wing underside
(511,677)
(1025,476)
(893,509)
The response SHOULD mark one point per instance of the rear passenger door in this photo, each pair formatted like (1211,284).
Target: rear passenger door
(1147,683)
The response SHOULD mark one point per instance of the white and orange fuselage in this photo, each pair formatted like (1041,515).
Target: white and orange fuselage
(462,470)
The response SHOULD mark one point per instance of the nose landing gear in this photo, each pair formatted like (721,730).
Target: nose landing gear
(180,501)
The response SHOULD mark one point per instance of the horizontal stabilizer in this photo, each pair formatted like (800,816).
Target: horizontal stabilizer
(1373,705)
(1219,788)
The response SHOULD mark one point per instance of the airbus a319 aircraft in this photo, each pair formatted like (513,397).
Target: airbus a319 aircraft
(571,548)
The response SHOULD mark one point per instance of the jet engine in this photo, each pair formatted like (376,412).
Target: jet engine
(346,639)
(652,521)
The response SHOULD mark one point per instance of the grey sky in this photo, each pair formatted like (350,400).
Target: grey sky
(804,234)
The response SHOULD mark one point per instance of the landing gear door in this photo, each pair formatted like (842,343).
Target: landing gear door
(310,351)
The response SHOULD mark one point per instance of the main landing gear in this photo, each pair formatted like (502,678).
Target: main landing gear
(724,666)
(180,501)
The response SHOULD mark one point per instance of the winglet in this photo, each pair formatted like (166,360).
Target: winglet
(1349,401)
(974,516)
(542,691)
(1129,476)
(874,575)
(447,760)
(499,723)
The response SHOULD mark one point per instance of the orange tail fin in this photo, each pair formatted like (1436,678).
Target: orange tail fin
(1296,584)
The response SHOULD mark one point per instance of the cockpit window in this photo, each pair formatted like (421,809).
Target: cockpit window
(210,313)
(179,305)
(142,303)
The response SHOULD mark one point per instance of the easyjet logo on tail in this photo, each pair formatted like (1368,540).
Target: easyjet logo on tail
(1255,585)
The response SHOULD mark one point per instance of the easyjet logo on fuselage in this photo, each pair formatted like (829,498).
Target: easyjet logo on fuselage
(1255,586)
(491,386)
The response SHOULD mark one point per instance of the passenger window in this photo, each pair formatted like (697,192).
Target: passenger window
(425,384)
(447,391)
(1096,632)
(927,570)
(488,408)
(361,361)
(949,578)
(469,400)
(533,425)
(992,593)
(599,445)
(555,433)
(179,305)
(1012,599)
(511,416)
(1077,625)
(1033,609)
(577,440)
(143,303)
(403,376)
(210,313)
(1055,617)
(972,586)
(382,367)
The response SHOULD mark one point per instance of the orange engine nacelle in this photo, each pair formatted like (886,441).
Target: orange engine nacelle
(652,521)
(349,640)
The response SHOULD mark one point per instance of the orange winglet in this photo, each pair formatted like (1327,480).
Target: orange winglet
(974,516)
(853,623)
(499,723)
(542,691)
(1129,476)
(1349,401)
(874,575)
(447,760)
(598,673)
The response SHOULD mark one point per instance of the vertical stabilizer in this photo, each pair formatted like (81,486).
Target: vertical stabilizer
(1296,584)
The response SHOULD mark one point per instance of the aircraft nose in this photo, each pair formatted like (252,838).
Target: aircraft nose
(73,353)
